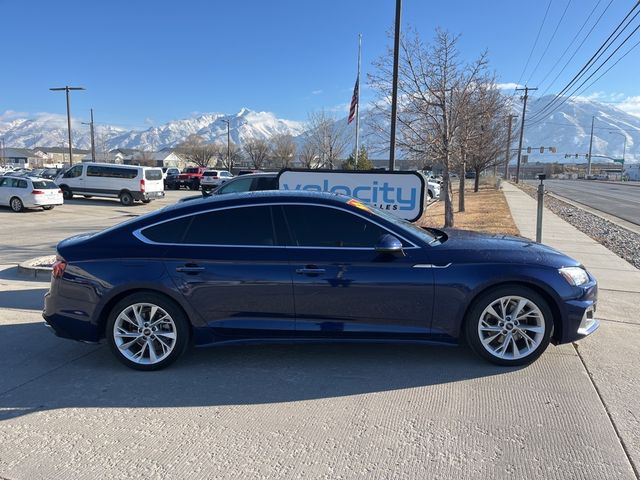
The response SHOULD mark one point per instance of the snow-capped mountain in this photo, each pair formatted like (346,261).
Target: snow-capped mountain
(51,130)
(567,129)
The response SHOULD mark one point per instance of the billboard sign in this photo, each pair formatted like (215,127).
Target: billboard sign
(399,193)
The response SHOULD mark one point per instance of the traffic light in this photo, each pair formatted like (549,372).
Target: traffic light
(553,149)
(576,155)
(528,149)
(541,149)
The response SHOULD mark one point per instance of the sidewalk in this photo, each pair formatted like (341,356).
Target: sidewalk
(612,355)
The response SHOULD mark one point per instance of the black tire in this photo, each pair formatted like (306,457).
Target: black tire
(16,204)
(195,185)
(514,332)
(88,196)
(126,199)
(146,201)
(182,329)
(48,207)
(67,194)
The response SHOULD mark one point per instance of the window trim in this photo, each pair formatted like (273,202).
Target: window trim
(138,233)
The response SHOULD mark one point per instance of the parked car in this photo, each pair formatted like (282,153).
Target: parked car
(26,192)
(248,171)
(246,183)
(189,178)
(51,173)
(214,178)
(470,174)
(128,183)
(308,266)
(170,175)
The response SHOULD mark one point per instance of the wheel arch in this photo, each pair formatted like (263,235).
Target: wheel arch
(548,297)
(109,304)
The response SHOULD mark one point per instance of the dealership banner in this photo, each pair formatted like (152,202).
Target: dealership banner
(399,193)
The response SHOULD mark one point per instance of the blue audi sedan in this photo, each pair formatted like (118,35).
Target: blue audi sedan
(296,267)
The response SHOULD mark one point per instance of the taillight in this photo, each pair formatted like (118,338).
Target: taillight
(58,268)
(142,185)
(216,178)
(37,192)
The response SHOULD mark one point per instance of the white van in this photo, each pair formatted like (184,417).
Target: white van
(126,182)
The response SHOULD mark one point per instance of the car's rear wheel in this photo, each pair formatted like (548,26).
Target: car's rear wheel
(16,204)
(67,194)
(147,331)
(48,207)
(509,325)
(126,199)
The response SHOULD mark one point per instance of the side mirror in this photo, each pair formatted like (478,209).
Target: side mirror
(390,245)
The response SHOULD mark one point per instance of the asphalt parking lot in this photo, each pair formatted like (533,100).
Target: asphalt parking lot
(69,410)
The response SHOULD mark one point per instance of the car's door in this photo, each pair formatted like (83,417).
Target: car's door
(343,287)
(73,178)
(6,187)
(232,268)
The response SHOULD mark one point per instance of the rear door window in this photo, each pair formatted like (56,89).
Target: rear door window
(233,226)
(153,174)
(265,183)
(168,232)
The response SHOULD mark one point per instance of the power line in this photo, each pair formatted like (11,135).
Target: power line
(535,43)
(575,37)
(564,100)
(594,58)
(553,35)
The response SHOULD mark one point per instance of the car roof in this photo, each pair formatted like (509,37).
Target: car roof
(258,174)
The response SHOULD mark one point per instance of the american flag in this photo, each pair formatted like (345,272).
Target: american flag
(354,101)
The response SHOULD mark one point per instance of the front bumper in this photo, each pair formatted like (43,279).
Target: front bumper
(589,323)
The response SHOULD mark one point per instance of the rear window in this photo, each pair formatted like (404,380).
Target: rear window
(45,185)
(191,170)
(210,174)
(155,174)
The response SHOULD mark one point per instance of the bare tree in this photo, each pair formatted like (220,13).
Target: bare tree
(309,154)
(195,150)
(283,150)
(257,151)
(145,158)
(434,90)
(329,137)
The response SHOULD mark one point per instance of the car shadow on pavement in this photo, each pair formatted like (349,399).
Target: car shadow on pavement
(29,299)
(64,374)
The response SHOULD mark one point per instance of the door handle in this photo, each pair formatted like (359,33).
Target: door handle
(190,268)
(310,270)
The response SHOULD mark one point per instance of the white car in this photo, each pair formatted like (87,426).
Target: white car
(214,178)
(126,182)
(26,192)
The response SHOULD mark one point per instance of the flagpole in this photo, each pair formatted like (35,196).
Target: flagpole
(358,104)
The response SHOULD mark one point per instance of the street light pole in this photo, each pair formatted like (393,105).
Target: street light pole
(624,149)
(93,140)
(67,88)
(394,88)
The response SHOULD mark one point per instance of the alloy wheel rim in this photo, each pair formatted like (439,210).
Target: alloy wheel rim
(16,204)
(511,327)
(144,333)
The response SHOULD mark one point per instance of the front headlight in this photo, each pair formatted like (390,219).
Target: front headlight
(575,276)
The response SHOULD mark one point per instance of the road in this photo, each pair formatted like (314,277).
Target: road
(72,411)
(619,200)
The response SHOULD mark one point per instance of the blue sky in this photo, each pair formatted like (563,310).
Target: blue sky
(148,62)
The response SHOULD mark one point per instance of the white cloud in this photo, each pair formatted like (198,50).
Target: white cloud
(508,86)
(630,105)
(340,108)
(317,92)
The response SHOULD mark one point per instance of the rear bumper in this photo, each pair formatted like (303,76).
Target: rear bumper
(43,202)
(73,324)
(147,195)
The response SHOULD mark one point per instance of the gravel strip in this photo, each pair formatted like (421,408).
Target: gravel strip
(622,242)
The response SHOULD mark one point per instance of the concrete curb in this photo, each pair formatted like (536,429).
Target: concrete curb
(632,227)
(33,267)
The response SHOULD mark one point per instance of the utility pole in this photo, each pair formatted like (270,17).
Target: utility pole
(508,152)
(593,118)
(67,88)
(229,166)
(394,89)
(93,140)
(524,112)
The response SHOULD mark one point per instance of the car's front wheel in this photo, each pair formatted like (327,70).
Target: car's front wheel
(509,325)
(147,331)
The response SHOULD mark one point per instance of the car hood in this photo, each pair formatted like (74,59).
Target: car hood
(476,247)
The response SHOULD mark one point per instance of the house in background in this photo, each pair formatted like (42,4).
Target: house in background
(19,157)
(632,171)
(167,157)
(60,155)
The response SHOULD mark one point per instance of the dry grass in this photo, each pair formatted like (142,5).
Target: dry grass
(485,211)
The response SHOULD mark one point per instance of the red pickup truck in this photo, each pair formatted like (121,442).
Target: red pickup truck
(189,178)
